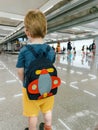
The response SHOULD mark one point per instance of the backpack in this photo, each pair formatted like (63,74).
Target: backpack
(41,76)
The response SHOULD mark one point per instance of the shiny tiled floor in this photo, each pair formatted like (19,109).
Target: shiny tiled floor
(76,104)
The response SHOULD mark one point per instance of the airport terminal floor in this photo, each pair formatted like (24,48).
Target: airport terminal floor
(76,104)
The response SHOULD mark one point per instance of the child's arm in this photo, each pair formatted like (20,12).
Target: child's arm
(20,72)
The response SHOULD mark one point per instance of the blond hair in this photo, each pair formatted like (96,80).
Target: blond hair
(35,22)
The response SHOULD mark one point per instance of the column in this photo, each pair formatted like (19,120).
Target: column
(96,54)
(96,42)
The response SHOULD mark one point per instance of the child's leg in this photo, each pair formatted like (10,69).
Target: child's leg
(46,109)
(48,120)
(32,122)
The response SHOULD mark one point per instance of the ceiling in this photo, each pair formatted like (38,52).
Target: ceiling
(74,19)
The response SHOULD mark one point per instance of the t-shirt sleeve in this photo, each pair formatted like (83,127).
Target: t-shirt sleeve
(20,61)
(51,55)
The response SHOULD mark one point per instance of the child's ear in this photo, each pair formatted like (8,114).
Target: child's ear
(27,32)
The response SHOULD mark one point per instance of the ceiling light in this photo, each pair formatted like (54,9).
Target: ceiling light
(48,9)
(65,38)
(87,30)
(76,28)
(19,19)
(4,34)
(81,35)
(7,28)
(73,36)
(49,5)
(10,29)
(54,34)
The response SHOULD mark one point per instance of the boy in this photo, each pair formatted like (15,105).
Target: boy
(35,29)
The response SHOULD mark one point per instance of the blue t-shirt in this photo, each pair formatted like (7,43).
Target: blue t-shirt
(25,56)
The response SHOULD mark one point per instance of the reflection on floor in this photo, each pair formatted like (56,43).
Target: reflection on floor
(82,61)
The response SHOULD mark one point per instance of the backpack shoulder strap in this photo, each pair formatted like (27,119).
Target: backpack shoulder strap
(32,50)
(36,54)
(47,50)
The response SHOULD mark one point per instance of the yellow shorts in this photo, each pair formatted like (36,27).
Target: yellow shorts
(32,107)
